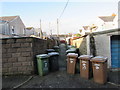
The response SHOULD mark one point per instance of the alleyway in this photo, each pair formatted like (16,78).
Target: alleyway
(59,79)
(62,57)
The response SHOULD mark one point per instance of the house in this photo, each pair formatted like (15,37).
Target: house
(29,31)
(109,22)
(90,28)
(11,25)
(39,32)
(105,43)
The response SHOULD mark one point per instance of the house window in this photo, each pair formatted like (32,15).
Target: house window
(13,30)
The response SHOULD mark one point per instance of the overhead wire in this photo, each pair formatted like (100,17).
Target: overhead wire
(64,9)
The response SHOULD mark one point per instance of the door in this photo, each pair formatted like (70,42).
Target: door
(115,51)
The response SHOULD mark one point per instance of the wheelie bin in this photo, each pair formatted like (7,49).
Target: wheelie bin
(42,64)
(85,66)
(71,62)
(53,61)
(71,50)
(50,50)
(99,64)
(56,48)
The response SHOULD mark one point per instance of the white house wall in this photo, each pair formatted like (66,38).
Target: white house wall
(119,14)
(18,26)
(4,28)
(103,45)
(29,32)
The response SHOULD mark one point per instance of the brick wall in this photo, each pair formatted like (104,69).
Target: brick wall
(50,43)
(19,54)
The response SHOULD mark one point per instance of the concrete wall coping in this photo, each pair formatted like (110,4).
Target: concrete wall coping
(20,38)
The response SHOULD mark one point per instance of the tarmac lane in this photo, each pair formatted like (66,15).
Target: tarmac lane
(61,79)
(58,79)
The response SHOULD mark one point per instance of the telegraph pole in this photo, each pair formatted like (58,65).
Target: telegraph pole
(50,29)
(40,29)
(57,27)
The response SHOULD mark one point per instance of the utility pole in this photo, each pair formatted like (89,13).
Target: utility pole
(40,29)
(57,27)
(50,29)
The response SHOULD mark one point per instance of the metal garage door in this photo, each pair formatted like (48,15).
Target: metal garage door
(115,51)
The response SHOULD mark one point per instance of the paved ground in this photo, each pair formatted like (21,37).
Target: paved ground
(59,79)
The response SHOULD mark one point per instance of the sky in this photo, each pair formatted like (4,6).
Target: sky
(76,14)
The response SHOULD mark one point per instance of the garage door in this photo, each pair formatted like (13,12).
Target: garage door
(115,51)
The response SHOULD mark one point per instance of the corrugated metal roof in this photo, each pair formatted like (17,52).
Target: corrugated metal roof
(8,18)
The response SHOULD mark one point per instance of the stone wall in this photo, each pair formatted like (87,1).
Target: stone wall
(19,54)
(50,43)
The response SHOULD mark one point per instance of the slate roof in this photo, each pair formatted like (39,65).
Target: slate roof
(8,18)
(107,18)
(85,27)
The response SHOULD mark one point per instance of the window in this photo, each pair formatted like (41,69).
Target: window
(12,29)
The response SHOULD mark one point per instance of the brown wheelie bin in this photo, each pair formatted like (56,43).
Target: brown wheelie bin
(85,66)
(71,62)
(99,64)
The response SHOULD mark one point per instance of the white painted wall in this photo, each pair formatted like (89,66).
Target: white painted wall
(29,32)
(18,26)
(4,28)
(103,45)
(88,44)
(119,14)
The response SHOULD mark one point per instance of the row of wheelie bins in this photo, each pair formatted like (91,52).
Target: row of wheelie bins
(73,49)
(48,62)
(89,66)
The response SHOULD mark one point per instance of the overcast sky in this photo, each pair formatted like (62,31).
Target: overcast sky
(76,15)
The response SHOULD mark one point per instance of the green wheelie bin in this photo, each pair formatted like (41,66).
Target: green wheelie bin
(43,64)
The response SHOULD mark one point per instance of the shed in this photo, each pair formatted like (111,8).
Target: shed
(107,43)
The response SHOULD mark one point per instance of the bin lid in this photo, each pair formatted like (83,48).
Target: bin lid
(50,50)
(85,57)
(53,54)
(71,50)
(56,47)
(99,59)
(72,46)
(69,46)
(42,56)
(72,55)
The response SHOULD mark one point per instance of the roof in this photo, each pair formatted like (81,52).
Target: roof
(8,18)
(2,21)
(85,27)
(29,28)
(106,31)
(107,18)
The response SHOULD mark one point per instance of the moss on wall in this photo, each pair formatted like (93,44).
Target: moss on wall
(83,47)
(92,45)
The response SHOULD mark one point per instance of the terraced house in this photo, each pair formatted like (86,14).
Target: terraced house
(11,25)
